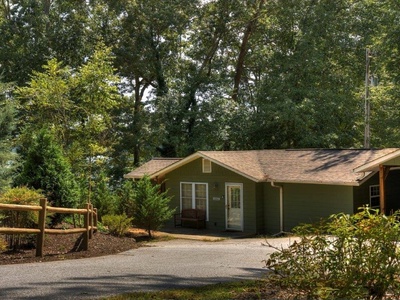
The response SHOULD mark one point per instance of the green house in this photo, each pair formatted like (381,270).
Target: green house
(271,191)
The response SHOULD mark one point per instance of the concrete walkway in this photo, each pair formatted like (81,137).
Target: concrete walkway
(170,264)
(202,234)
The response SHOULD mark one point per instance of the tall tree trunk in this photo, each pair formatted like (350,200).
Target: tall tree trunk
(137,121)
(244,48)
(46,6)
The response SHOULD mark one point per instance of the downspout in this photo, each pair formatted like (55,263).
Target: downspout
(280,206)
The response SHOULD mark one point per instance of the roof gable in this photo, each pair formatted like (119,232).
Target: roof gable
(151,167)
(392,158)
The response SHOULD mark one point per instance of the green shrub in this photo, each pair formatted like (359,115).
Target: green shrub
(3,244)
(101,227)
(104,199)
(117,224)
(347,257)
(19,219)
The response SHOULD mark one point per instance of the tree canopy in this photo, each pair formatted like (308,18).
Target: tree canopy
(119,82)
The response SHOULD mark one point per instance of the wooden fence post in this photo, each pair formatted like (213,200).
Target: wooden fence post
(41,227)
(90,221)
(95,219)
(86,224)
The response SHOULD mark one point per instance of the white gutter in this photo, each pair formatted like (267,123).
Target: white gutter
(280,206)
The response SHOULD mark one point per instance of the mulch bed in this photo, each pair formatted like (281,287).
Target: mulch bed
(67,246)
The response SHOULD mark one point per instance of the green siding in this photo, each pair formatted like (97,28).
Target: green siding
(260,226)
(303,203)
(192,172)
(271,209)
(307,203)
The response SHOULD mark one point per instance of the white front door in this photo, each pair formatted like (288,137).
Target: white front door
(234,206)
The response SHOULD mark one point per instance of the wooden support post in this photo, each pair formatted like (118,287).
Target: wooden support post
(42,227)
(382,199)
(86,224)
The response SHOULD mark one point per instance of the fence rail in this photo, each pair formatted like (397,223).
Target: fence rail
(90,222)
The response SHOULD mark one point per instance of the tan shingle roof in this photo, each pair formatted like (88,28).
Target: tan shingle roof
(152,166)
(319,166)
(328,166)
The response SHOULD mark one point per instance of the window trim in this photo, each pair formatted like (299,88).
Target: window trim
(206,166)
(193,194)
(371,196)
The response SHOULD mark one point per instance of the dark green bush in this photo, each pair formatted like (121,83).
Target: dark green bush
(104,199)
(117,224)
(348,257)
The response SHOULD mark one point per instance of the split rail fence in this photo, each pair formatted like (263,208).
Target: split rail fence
(90,222)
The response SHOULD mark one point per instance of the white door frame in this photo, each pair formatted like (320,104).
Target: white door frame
(240,225)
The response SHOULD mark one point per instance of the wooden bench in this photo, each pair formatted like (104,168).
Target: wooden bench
(192,215)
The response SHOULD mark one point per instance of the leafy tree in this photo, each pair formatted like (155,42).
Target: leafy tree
(46,101)
(150,35)
(201,81)
(384,89)
(46,168)
(34,31)
(77,105)
(307,96)
(7,125)
(94,89)
(152,206)
(348,257)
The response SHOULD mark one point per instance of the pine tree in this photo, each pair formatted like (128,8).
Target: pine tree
(45,168)
(152,205)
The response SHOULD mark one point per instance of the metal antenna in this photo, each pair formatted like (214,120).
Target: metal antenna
(367,131)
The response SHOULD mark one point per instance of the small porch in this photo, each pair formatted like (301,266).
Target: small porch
(388,188)
(388,169)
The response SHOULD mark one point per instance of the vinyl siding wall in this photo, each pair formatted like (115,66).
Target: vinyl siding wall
(271,209)
(192,172)
(305,203)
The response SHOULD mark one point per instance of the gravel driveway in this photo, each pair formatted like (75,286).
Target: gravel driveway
(162,265)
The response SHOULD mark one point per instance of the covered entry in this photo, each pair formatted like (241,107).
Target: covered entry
(388,169)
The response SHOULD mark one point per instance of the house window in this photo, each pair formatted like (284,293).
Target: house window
(374,196)
(206,166)
(194,195)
